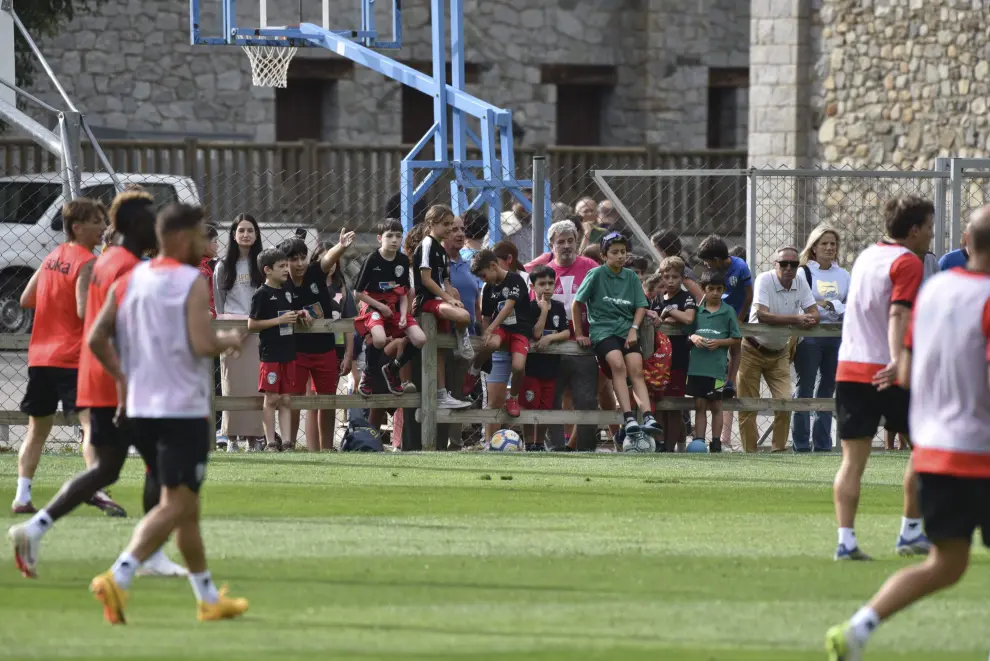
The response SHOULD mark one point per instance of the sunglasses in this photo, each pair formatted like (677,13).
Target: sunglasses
(788,264)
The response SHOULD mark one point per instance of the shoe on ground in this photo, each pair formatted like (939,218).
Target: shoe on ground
(159,564)
(113,598)
(512,406)
(446,401)
(843,553)
(920,545)
(841,645)
(225,608)
(233,445)
(102,501)
(23,508)
(25,550)
(392,380)
(715,446)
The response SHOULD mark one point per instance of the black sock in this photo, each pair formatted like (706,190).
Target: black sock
(407,354)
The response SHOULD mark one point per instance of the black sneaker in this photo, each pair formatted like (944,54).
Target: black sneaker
(728,391)
(715,445)
(364,385)
(391,374)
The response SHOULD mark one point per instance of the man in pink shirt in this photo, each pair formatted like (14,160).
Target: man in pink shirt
(577,373)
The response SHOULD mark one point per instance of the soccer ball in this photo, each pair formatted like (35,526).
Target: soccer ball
(639,443)
(505,440)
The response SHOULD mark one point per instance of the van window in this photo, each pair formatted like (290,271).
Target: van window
(25,202)
(163,193)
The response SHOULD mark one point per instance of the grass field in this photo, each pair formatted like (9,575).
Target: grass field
(443,557)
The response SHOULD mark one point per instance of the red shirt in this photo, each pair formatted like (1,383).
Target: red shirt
(206,268)
(57,335)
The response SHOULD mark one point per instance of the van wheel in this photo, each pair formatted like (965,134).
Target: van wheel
(14,318)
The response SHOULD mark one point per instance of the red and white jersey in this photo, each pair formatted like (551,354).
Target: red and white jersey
(165,379)
(950,396)
(883,275)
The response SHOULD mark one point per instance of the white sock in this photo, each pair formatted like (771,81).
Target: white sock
(203,587)
(156,556)
(123,570)
(848,538)
(39,524)
(910,528)
(864,623)
(23,496)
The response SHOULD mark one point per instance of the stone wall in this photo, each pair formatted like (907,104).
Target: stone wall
(129,66)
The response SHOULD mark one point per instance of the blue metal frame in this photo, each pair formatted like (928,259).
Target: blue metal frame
(489,177)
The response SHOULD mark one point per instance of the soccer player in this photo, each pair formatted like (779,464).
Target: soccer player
(885,281)
(159,317)
(946,355)
(57,292)
(132,217)
(542,369)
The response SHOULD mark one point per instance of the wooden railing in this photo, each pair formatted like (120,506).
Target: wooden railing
(426,399)
(319,183)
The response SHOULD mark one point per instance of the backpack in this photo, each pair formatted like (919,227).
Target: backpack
(656,367)
(361,437)
(807,274)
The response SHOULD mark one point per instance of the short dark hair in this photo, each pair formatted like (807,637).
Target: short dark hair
(177,217)
(212,231)
(80,210)
(902,213)
(638,263)
(269,257)
(294,247)
(540,272)
(475,224)
(482,260)
(712,278)
(390,225)
(667,242)
(130,210)
(739,251)
(713,247)
(653,280)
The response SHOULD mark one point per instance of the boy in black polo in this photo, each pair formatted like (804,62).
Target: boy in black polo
(542,369)
(713,332)
(274,312)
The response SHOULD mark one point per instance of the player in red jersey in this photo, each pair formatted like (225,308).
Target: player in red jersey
(57,292)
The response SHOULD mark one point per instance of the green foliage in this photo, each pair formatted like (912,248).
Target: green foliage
(42,19)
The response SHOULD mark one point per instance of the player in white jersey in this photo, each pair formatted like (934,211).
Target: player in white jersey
(158,317)
(884,284)
(946,357)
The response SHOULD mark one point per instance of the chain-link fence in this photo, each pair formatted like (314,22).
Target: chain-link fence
(314,191)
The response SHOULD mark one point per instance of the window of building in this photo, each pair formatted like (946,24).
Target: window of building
(582,92)
(728,108)
(301,107)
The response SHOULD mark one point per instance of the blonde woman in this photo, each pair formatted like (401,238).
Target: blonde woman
(819,355)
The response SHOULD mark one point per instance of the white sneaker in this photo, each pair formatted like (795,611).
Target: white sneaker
(232,445)
(25,550)
(464,349)
(446,401)
(160,565)
(409,388)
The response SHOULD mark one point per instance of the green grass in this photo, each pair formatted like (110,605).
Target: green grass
(419,557)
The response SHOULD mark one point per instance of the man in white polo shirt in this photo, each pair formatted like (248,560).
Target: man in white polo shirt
(946,356)
(779,299)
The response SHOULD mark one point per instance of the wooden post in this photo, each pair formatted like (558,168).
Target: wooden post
(210,383)
(428,407)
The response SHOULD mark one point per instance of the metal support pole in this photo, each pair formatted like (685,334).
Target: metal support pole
(69,130)
(539,204)
(103,157)
(941,192)
(38,133)
(955,202)
(43,61)
(751,180)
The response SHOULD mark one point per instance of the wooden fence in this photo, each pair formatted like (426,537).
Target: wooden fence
(426,399)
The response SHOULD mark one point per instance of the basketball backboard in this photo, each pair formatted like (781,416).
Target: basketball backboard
(276,22)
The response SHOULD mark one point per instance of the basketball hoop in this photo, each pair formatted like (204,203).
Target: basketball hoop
(270,64)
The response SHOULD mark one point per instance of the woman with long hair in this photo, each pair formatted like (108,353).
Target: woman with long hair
(235,280)
(816,356)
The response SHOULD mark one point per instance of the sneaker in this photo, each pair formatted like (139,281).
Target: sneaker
(446,401)
(715,446)
(842,553)
(160,565)
(391,374)
(113,598)
(103,502)
(225,608)
(25,550)
(512,406)
(728,391)
(23,508)
(464,348)
(364,385)
(632,427)
(233,445)
(651,426)
(409,388)
(470,383)
(841,645)
(920,545)
(222,441)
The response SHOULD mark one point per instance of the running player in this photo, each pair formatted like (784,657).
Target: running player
(885,282)
(159,317)
(132,220)
(947,353)
(57,291)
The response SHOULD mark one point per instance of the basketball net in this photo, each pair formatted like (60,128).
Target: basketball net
(270,64)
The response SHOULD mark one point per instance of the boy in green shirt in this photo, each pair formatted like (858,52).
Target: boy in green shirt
(715,329)
(616,306)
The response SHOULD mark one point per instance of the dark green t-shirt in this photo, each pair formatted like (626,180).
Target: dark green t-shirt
(718,325)
(612,300)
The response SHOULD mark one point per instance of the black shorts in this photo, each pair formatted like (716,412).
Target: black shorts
(183,447)
(104,432)
(613,343)
(860,406)
(704,387)
(46,387)
(953,507)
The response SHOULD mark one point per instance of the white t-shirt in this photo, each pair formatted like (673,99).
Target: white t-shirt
(832,285)
(770,292)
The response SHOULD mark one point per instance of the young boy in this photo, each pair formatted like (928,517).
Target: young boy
(738,293)
(507,320)
(549,326)
(714,331)
(616,307)
(274,311)
(382,289)
(674,305)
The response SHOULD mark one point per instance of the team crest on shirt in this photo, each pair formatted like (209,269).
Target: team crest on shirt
(530,395)
(375,316)
(399,270)
(505,292)
(313,288)
(272,378)
(288,296)
(556,320)
(733,280)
